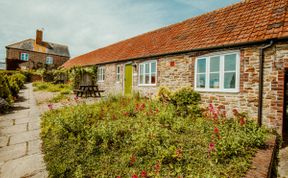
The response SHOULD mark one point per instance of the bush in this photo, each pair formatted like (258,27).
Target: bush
(4,90)
(126,136)
(185,100)
(10,84)
(16,82)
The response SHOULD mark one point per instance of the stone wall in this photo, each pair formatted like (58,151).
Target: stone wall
(35,59)
(178,71)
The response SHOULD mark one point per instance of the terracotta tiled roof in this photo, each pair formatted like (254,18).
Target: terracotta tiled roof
(248,21)
(45,47)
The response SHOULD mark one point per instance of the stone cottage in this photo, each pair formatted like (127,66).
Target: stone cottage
(236,56)
(34,54)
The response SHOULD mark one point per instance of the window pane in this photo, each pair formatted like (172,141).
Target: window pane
(230,62)
(201,80)
(153,67)
(147,68)
(141,69)
(147,78)
(201,65)
(214,80)
(141,79)
(215,64)
(153,78)
(229,80)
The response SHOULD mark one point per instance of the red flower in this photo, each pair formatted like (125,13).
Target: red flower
(126,113)
(216,130)
(144,174)
(132,160)
(156,110)
(179,153)
(50,106)
(118,177)
(242,121)
(134,176)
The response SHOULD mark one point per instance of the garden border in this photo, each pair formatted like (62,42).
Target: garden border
(263,161)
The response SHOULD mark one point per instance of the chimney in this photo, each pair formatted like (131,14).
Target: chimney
(39,36)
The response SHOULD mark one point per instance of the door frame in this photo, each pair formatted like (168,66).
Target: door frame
(124,73)
(285,102)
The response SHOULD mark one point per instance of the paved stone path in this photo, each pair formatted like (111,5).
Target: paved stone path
(20,144)
(283,163)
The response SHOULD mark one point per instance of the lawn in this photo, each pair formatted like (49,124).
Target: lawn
(131,136)
(62,90)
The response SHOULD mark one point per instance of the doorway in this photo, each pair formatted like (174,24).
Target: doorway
(128,79)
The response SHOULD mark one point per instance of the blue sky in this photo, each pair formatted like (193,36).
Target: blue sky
(90,24)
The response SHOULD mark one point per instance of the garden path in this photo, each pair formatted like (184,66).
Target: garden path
(283,162)
(20,144)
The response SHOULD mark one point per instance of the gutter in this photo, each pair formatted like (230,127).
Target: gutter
(261,79)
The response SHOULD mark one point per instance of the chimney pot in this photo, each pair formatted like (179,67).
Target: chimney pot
(39,36)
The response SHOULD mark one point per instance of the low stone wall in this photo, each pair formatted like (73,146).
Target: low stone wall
(262,163)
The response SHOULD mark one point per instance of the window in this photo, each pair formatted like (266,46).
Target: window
(217,72)
(101,74)
(118,69)
(148,73)
(24,56)
(49,60)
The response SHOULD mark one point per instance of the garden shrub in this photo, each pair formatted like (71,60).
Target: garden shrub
(123,137)
(186,100)
(4,90)
(10,84)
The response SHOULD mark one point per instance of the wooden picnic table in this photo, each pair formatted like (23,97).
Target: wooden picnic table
(88,90)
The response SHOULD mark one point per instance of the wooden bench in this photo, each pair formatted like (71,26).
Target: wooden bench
(88,90)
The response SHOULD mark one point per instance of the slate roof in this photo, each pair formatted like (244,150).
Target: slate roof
(50,48)
(246,21)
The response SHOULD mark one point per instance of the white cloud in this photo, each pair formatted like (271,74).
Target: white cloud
(86,25)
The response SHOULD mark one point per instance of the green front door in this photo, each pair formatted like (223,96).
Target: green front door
(128,79)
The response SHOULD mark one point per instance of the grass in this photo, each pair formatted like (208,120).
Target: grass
(49,87)
(62,89)
(131,136)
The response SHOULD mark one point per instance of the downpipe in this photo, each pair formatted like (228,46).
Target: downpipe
(261,79)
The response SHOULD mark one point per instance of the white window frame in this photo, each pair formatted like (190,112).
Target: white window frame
(24,56)
(221,79)
(49,60)
(150,73)
(118,73)
(101,74)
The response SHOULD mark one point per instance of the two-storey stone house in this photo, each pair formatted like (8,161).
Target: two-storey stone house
(34,54)
(236,57)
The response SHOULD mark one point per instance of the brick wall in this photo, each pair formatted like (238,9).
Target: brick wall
(36,59)
(178,71)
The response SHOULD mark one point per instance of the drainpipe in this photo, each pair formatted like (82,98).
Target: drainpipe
(261,78)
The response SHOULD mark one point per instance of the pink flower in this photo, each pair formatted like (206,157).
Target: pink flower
(157,167)
(144,174)
(211,146)
(50,106)
(235,112)
(76,98)
(134,176)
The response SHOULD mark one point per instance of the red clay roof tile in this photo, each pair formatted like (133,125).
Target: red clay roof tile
(249,21)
